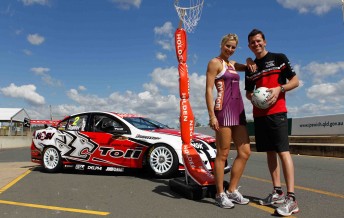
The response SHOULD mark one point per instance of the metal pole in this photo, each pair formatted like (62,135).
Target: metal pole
(51,115)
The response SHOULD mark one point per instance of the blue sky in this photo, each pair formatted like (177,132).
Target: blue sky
(118,55)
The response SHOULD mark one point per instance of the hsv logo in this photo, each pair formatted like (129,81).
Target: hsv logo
(269,64)
(44,135)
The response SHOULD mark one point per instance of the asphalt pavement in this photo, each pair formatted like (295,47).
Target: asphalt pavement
(27,191)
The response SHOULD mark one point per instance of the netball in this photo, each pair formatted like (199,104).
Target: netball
(260,96)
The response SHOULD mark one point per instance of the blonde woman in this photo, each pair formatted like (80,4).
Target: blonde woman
(227,118)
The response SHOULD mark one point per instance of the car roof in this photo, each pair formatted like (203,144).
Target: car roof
(122,115)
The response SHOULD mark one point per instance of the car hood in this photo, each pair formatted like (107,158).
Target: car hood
(196,136)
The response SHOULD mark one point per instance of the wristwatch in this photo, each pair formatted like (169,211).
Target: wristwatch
(282,89)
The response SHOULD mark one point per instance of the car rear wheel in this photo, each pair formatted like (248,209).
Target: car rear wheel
(163,161)
(52,160)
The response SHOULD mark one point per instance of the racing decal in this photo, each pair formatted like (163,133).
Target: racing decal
(92,167)
(114,169)
(140,142)
(79,166)
(44,135)
(122,138)
(102,161)
(129,153)
(98,168)
(181,45)
(75,145)
(204,152)
(138,136)
(68,166)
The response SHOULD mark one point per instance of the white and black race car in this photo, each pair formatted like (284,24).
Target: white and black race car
(108,141)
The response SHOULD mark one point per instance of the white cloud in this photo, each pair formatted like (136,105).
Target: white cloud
(165,44)
(86,99)
(27,52)
(26,92)
(166,78)
(166,29)
(39,2)
(82,88)
(324,69)
(164,36)
(152,88)
(43,73)
(327,92)
(320,71)
(160,56)
(18,32)
(318,7)
(40,70)
(35,39)
(311,109)
(127,4)
(159,99)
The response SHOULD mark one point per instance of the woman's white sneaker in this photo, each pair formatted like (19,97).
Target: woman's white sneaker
(222,200)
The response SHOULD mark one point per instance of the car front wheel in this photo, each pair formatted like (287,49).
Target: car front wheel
(51,160)
(163,161)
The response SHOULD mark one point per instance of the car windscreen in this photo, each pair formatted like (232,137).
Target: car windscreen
(145,123)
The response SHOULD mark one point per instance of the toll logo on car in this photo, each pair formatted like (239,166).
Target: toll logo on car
(130,153)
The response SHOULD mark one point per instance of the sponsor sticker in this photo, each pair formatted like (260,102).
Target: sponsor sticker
(94,168)
(80,167)
(114,169)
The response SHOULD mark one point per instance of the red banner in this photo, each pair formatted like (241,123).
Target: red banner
(181,45)
(186,121)
(184,84)
(193,163)
(195,166)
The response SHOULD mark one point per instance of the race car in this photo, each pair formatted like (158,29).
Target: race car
(109,141)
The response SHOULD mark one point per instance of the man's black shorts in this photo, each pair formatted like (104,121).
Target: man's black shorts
(271,133)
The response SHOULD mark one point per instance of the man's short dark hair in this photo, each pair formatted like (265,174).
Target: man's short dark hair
(255,32)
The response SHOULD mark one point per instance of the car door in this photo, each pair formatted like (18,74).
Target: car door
(74,144)
(115,146)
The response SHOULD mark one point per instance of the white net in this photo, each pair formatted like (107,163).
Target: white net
(189,12)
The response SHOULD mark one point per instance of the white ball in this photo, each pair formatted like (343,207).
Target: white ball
(260,96)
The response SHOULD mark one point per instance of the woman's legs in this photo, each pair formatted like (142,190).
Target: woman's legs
(223,143)
(242,143)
